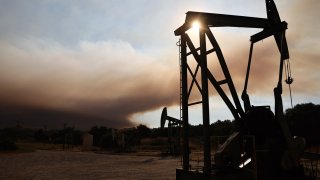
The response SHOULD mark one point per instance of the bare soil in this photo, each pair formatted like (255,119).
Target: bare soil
(85,165)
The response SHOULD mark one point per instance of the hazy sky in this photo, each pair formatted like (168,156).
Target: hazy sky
(116,62)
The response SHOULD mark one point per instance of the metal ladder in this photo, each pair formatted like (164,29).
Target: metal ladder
(180,68)
(180,104)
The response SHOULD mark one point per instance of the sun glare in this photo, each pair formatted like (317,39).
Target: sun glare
(196,25)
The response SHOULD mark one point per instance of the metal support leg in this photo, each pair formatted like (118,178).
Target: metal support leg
(185,119)
(205,103)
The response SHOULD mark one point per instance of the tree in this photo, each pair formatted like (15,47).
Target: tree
(7,139)
(102,137)
(304,121)
(222,128)
(143,131)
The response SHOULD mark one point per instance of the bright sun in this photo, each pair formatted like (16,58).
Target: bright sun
(196,25)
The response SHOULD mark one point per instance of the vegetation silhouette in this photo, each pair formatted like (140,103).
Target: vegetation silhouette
(303,120)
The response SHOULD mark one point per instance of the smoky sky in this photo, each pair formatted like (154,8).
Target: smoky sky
(86,81)
(104,62)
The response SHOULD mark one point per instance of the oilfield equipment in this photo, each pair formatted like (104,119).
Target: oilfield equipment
(261,147)
(174,126)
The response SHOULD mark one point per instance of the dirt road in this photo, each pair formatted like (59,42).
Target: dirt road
(85,165)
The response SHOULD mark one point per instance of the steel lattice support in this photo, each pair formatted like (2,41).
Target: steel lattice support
(206,75)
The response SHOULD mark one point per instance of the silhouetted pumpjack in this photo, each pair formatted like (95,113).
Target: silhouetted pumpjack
(262,146)
(173,132)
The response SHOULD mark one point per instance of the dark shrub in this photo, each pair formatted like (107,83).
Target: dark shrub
(7,145)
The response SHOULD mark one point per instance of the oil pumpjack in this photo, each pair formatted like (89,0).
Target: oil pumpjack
(174,126)
(262,146)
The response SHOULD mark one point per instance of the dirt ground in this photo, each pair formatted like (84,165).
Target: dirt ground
(85,165)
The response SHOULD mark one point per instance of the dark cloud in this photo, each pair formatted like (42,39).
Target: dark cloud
(39,117)
(98,81)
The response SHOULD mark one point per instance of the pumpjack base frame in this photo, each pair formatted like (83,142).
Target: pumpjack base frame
(235,174)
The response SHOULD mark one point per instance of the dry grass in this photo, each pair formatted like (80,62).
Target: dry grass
(85,165)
